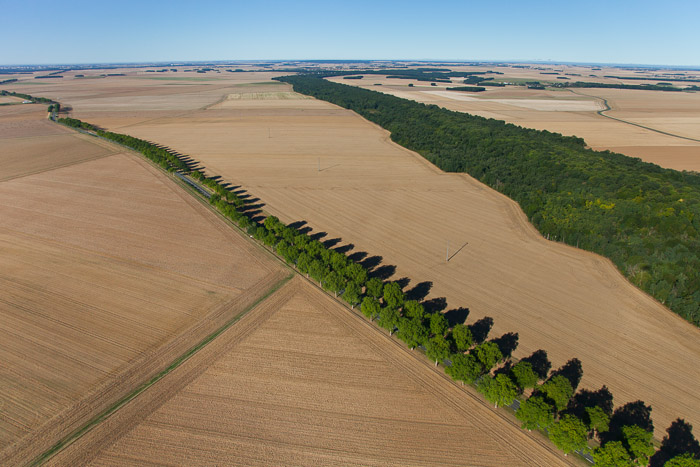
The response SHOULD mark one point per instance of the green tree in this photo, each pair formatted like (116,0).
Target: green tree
(488,354)
(413,309)
(599,420)
(352,294)
(437,348)
(412,332)
(388,319)
(462,337)
(535,413)
(334,282)
(499,390)
(370,307)
(637,440)
(569,433)
(303,263)
(558,390)
(356,273)
(317,270)
(438,324)
(375,287)
(612,454)
(683,460)
(524,375)
(465,368)
(393,295)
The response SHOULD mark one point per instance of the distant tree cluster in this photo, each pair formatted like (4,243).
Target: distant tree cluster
(467,88)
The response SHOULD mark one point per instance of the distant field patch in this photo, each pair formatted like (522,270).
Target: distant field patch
(266,96)
(177,78)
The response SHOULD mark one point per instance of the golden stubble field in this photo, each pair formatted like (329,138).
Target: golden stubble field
(574,112)
(390,202)
(109,271)
(301,381)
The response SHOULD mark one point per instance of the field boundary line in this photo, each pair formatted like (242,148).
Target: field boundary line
(608,108)
(71,438)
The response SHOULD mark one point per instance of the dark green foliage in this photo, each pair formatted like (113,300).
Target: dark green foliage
(643,87)
(523,375)
(388,318)
(558,391)
(370,307)
(317,270)
(352,293)
(499,390)
(334,282)
(462,337)
(393,295)
(413,309)
(467,88)
(488,354)
(375,287)
(599,421)
(356,273)
(535,413)
(438,324)
(437,348)
(412,332)
(683,460)
(465,368)
(644,218)
(637,441)
(612,454)
(569,434)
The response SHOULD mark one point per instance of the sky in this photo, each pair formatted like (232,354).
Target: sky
(126,31)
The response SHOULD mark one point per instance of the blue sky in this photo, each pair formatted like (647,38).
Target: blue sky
(612,31)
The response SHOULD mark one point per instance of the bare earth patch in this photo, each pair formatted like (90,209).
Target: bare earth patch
(300,381)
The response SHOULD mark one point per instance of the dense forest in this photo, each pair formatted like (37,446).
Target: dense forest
(643,217)
(642,87)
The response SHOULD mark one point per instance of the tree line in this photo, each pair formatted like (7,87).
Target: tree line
(646,219)
(643,87)
(570,419)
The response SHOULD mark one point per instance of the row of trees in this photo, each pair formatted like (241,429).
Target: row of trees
(27,97)
(154,152)
(644,218)
(570,420)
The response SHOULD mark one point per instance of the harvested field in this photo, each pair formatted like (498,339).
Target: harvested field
(388,201)
(109,271)
(301,381)
(32,144)
(574,112)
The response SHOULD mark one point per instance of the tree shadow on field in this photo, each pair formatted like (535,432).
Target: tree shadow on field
(435,305)
(371,262)
(344,249)
(571,370)
(331,242)
(297,225)
(632,413)
(456,316)
(480,329)
(586,398)
(679,440)
(383,272)
(540,363)
(419,291)
(358,256)
(507,343)
(403,283)
(318,236)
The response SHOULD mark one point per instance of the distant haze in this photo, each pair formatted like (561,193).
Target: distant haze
(617,31)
